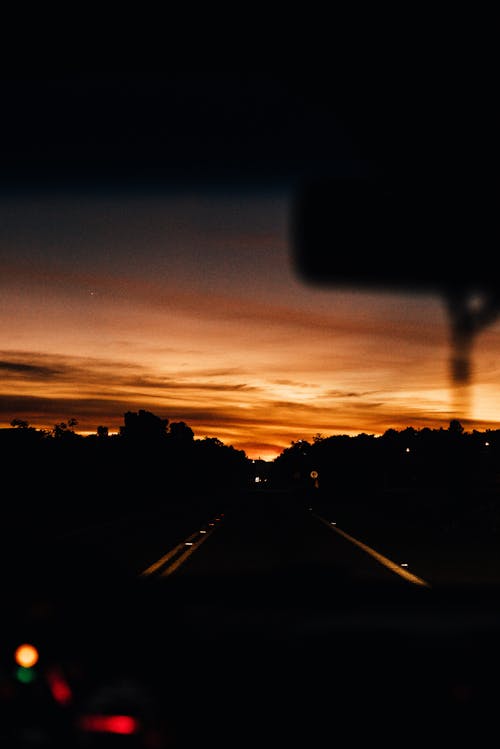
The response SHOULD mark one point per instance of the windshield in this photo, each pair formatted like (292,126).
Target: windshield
(191,413)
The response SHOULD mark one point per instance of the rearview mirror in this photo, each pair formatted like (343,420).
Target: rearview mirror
(427,235)
(431,235)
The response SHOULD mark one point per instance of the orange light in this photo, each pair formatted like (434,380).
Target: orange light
(26,655)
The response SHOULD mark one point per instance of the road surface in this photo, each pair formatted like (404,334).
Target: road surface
(255,534)
(257,621)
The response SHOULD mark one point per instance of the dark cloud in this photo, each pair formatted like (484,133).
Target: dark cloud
(348,393)
(40,410)
(28,370)
(293,383)
(109,375)
(167,384)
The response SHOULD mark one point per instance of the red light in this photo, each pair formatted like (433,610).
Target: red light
(119,724)
(59,687)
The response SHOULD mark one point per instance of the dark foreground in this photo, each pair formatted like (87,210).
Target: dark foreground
(276,630)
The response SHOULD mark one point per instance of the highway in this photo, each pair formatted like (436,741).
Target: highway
(276,536)
(259,533)
(258,620)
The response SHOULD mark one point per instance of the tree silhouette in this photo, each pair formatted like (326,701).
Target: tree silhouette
(143,425)
(19,424)
(180,432)
(455,427)
(64,429)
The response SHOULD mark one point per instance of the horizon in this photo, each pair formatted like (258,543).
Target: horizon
(310,440)
(189,306)
(147,248)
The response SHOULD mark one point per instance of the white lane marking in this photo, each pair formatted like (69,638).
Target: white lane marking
(187,547)
(402,572)
(189,550)
(160,562)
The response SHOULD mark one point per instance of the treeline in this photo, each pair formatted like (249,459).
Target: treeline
(419,478)
(151,462)
(415,482)
(411,458)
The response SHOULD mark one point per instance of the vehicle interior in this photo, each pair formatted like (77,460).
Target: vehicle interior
(389,191)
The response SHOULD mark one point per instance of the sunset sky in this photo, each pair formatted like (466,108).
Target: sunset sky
(186,301)
(189,306)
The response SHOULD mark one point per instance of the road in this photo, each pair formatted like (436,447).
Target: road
(253,621)
(255,534)
(258,532)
